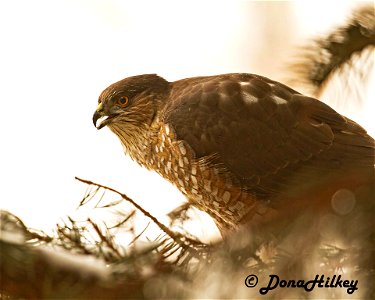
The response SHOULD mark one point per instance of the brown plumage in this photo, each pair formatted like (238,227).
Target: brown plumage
(241,147)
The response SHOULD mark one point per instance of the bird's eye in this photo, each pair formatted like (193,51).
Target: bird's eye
(123,101)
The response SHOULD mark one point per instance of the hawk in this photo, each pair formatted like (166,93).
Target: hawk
(241,147)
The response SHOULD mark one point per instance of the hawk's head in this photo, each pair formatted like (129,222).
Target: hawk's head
(130,103)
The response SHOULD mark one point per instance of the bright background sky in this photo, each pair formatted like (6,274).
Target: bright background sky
(57,56)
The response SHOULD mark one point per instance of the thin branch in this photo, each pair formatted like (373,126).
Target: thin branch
(181,240)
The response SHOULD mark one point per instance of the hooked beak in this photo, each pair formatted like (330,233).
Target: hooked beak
(99,113)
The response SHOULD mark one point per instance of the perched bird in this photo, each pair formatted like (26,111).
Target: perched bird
(241,147)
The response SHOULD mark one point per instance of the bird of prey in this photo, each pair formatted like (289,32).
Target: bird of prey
(241,147)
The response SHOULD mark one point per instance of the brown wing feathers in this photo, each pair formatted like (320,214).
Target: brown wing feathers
(262,129)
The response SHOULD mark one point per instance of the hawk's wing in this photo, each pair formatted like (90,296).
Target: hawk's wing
(262,131)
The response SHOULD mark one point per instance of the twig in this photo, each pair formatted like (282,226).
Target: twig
(104,238)
(123,221)
(175,236)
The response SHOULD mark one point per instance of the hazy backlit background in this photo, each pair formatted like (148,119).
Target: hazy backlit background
(57,56)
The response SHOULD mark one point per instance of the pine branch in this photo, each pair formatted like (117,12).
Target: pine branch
(329,54)
(186,243)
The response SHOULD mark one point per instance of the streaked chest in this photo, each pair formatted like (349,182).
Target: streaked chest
(204,185)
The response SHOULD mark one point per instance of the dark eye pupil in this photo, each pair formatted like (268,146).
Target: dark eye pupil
(123,100)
